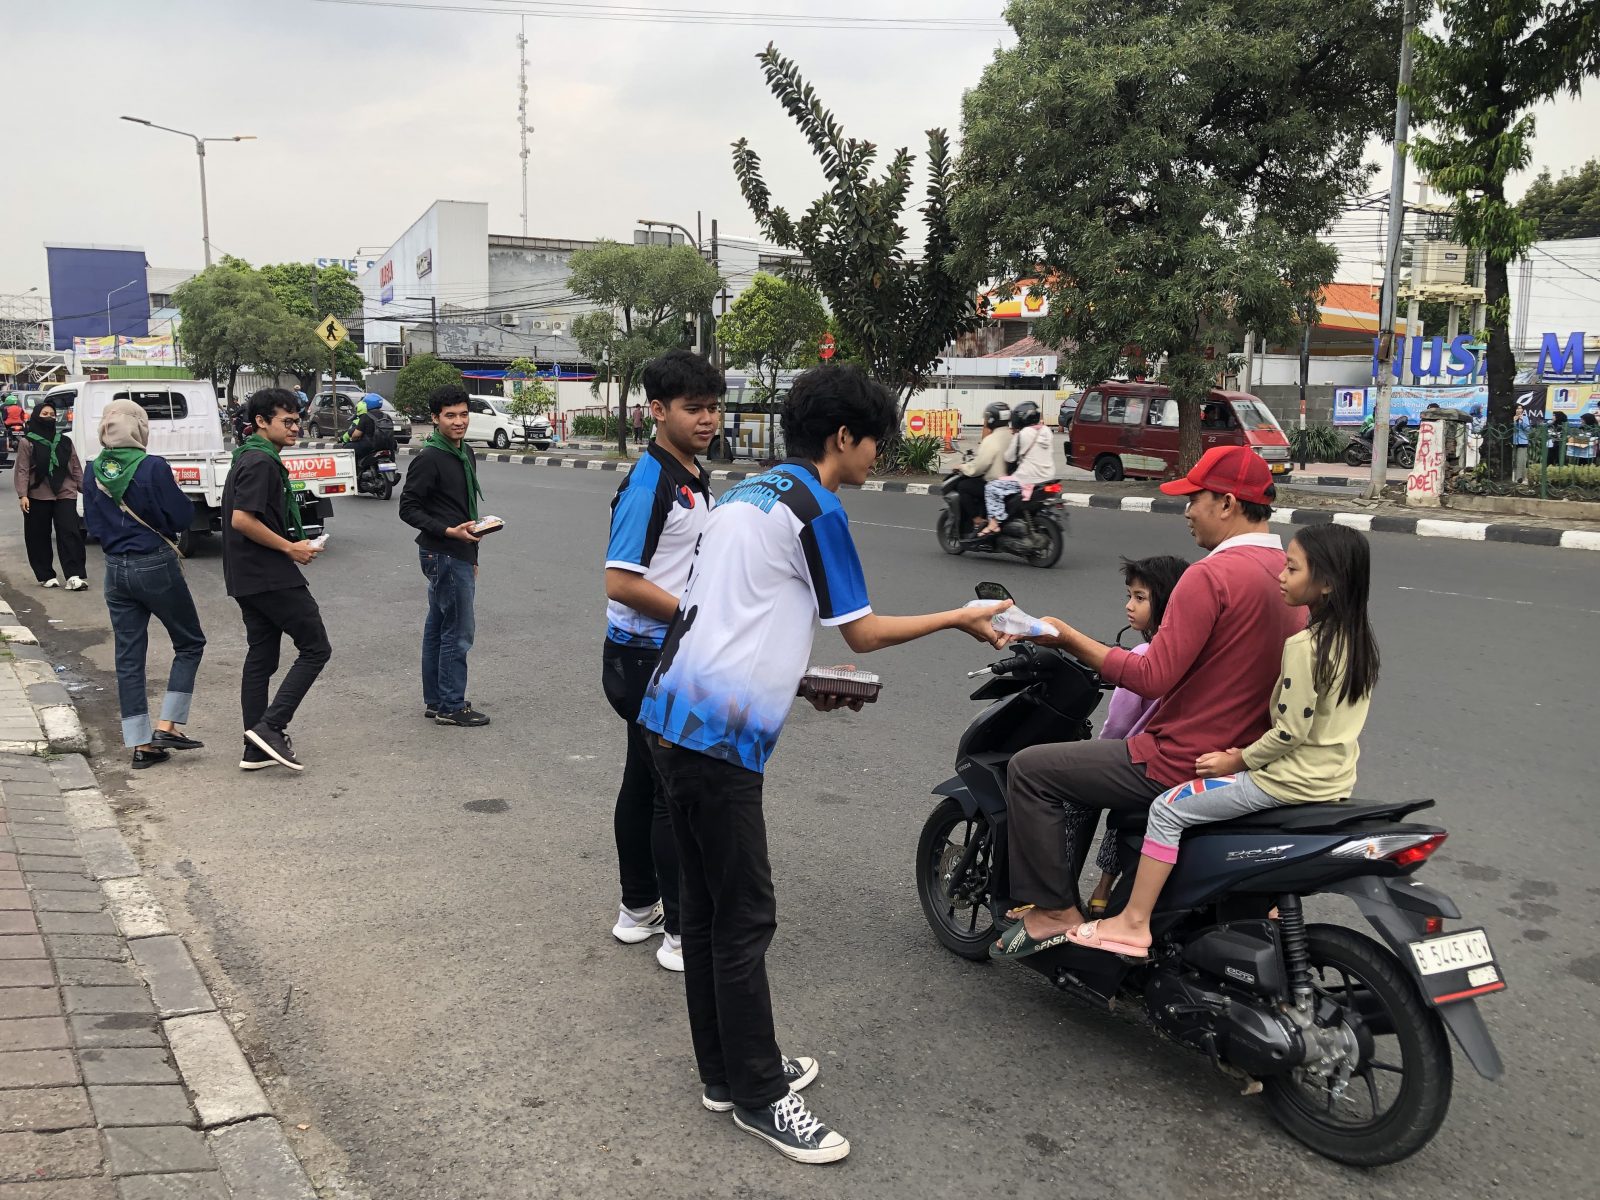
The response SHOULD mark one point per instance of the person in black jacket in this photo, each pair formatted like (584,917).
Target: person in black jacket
(440,500)
(134,509)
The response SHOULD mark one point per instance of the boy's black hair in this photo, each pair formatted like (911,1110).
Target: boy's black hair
(446,395)
(263,404)
(1159,574)
(824,399)
(679,375)
(1340,559)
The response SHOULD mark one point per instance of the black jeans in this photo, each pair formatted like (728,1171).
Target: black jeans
(61,516)
(729,915)
(267,617)
(970,490)
(647,855)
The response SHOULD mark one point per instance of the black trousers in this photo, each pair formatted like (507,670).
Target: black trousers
(267,617)
(970,490)
(647,854)
(729,916)
(61,517)
(1054,795)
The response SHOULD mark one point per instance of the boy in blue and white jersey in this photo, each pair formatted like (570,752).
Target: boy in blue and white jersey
(776,556)
(657,517)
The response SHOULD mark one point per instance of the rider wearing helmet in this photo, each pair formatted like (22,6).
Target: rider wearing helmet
(1031,458)
(989,463)
(367,435)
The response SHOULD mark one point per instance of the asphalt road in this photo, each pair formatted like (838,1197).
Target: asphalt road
(414,932)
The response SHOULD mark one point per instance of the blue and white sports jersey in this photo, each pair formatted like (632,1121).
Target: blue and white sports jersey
(775,557)
(657,516)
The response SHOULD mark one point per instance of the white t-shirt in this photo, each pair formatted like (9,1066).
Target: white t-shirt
(776,557)
(657,516)
(1035,454)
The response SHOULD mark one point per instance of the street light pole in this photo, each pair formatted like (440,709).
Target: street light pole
(200,152)
(110,294)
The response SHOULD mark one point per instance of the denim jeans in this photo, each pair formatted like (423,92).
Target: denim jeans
(138,587)
(448,632)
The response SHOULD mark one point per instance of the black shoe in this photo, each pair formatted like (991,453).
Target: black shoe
(276,743)
(169,739)
(143,759)
(467,718)
(429,712)
(797,1072)
(791,1129)
(255,758)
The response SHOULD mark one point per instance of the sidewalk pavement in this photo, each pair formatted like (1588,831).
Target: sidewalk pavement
(119,1077)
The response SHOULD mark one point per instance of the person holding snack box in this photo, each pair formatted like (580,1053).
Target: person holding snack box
(776,556)
(440,500)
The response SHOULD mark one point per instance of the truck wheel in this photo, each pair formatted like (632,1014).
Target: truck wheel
(186,543)
(1108,468)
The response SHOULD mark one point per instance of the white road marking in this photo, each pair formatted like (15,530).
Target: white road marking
(1594,612)
(1361,521)
(880,525)
(1465,531)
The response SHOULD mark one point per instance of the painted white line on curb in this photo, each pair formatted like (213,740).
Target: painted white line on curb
(919,489)
(719,474)
(1137,503)
(1580,539)
(872,485)
(1075,499)
(1283,516)
(1465,531)
(1361,521)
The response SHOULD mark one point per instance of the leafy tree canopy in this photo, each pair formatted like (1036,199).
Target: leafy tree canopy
(417,379)
(311,292)
(1568,207)
(643,295)
(898,312)
(774,324)
(530,395)
(1161,170)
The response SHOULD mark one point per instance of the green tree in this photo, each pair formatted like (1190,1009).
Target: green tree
(643,295)
(1568,207)
(311,292)
(231,320)
(417,380)
(1473,85)
(531,396)
(899,312)
(1162,170)
(774,325)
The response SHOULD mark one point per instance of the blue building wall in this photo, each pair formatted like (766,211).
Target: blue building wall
(81,279)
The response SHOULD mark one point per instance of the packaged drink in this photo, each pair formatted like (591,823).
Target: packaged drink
(1014,622)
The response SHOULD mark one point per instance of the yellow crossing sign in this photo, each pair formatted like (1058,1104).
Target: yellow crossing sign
(332,331)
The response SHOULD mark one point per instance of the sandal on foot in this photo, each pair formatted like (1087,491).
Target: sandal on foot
(1017,942)
(1088,936)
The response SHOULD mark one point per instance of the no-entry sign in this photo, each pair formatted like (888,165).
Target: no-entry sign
(826,348)
(917,422)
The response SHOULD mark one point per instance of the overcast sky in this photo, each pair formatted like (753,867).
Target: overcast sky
(365,115)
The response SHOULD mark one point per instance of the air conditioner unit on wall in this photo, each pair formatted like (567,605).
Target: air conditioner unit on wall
(508,320)
(394,357)
(537,325)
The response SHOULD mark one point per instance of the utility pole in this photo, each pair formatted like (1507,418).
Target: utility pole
(523,128)
(1391,266)
(433,310)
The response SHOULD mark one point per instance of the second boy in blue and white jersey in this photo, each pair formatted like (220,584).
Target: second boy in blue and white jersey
(775,558)
(657,517)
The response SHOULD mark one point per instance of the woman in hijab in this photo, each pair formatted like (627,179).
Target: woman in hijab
(135,509)
(48,476)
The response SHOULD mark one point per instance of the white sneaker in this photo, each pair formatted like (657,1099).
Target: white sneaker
(670,953)
(51,582)
(639,924)
(77,584)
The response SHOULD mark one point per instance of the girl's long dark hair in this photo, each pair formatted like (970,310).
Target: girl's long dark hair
(1160,575)
(1340,559)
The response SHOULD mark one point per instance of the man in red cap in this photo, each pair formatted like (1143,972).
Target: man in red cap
(1212,664)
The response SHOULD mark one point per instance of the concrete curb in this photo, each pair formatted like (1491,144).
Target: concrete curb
(60,729)
(1467,531)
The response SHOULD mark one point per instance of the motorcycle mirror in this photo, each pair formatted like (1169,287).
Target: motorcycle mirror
(992,591)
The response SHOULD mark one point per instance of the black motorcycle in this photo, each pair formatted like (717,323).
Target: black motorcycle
(1402,449)
(1034,529)
(379,475)
(1345,1035)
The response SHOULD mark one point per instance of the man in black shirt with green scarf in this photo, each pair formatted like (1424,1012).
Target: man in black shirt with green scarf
(263,549)
(440,500)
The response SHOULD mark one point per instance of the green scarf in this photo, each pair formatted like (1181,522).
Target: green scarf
(291,510)
(115,469)
(52,444)
(474,492)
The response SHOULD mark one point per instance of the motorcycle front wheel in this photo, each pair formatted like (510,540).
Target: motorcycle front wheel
(954,856)
(949,534)
(1399,1094)
(1405,456)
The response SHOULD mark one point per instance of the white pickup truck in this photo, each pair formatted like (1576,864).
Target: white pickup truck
(186,430)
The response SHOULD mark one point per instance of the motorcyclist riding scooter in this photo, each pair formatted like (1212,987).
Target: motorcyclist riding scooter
(1026,488)
(988,464)
(372,438)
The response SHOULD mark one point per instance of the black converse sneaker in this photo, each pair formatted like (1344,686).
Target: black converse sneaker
(255,758)
(276,743)
(797,1072)
(791,1129)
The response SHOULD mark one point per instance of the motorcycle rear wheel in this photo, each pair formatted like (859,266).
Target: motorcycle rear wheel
(962,923)
(1356,972)
(1353,456)
(387,487)
(949,534)
(1055,542)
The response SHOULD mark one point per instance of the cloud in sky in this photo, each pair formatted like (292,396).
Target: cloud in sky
(365,115)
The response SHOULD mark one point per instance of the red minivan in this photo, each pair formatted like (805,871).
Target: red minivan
(1130,430)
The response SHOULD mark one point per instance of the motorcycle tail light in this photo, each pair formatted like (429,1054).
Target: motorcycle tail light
(1402,849)
(1433,925)
(1412,855)
(1051,489)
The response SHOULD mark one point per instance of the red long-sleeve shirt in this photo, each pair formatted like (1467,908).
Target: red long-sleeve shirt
(1214,661)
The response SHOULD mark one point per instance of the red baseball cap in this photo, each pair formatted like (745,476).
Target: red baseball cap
(1225,469)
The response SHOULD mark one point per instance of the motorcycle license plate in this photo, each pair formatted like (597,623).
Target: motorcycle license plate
(386,468)
(1457,966)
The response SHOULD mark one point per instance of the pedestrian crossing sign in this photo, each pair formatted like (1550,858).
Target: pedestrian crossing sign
(332,331)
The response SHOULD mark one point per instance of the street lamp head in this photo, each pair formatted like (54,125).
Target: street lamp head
(136,120)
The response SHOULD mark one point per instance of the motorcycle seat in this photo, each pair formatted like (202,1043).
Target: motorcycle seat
(1291,818)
